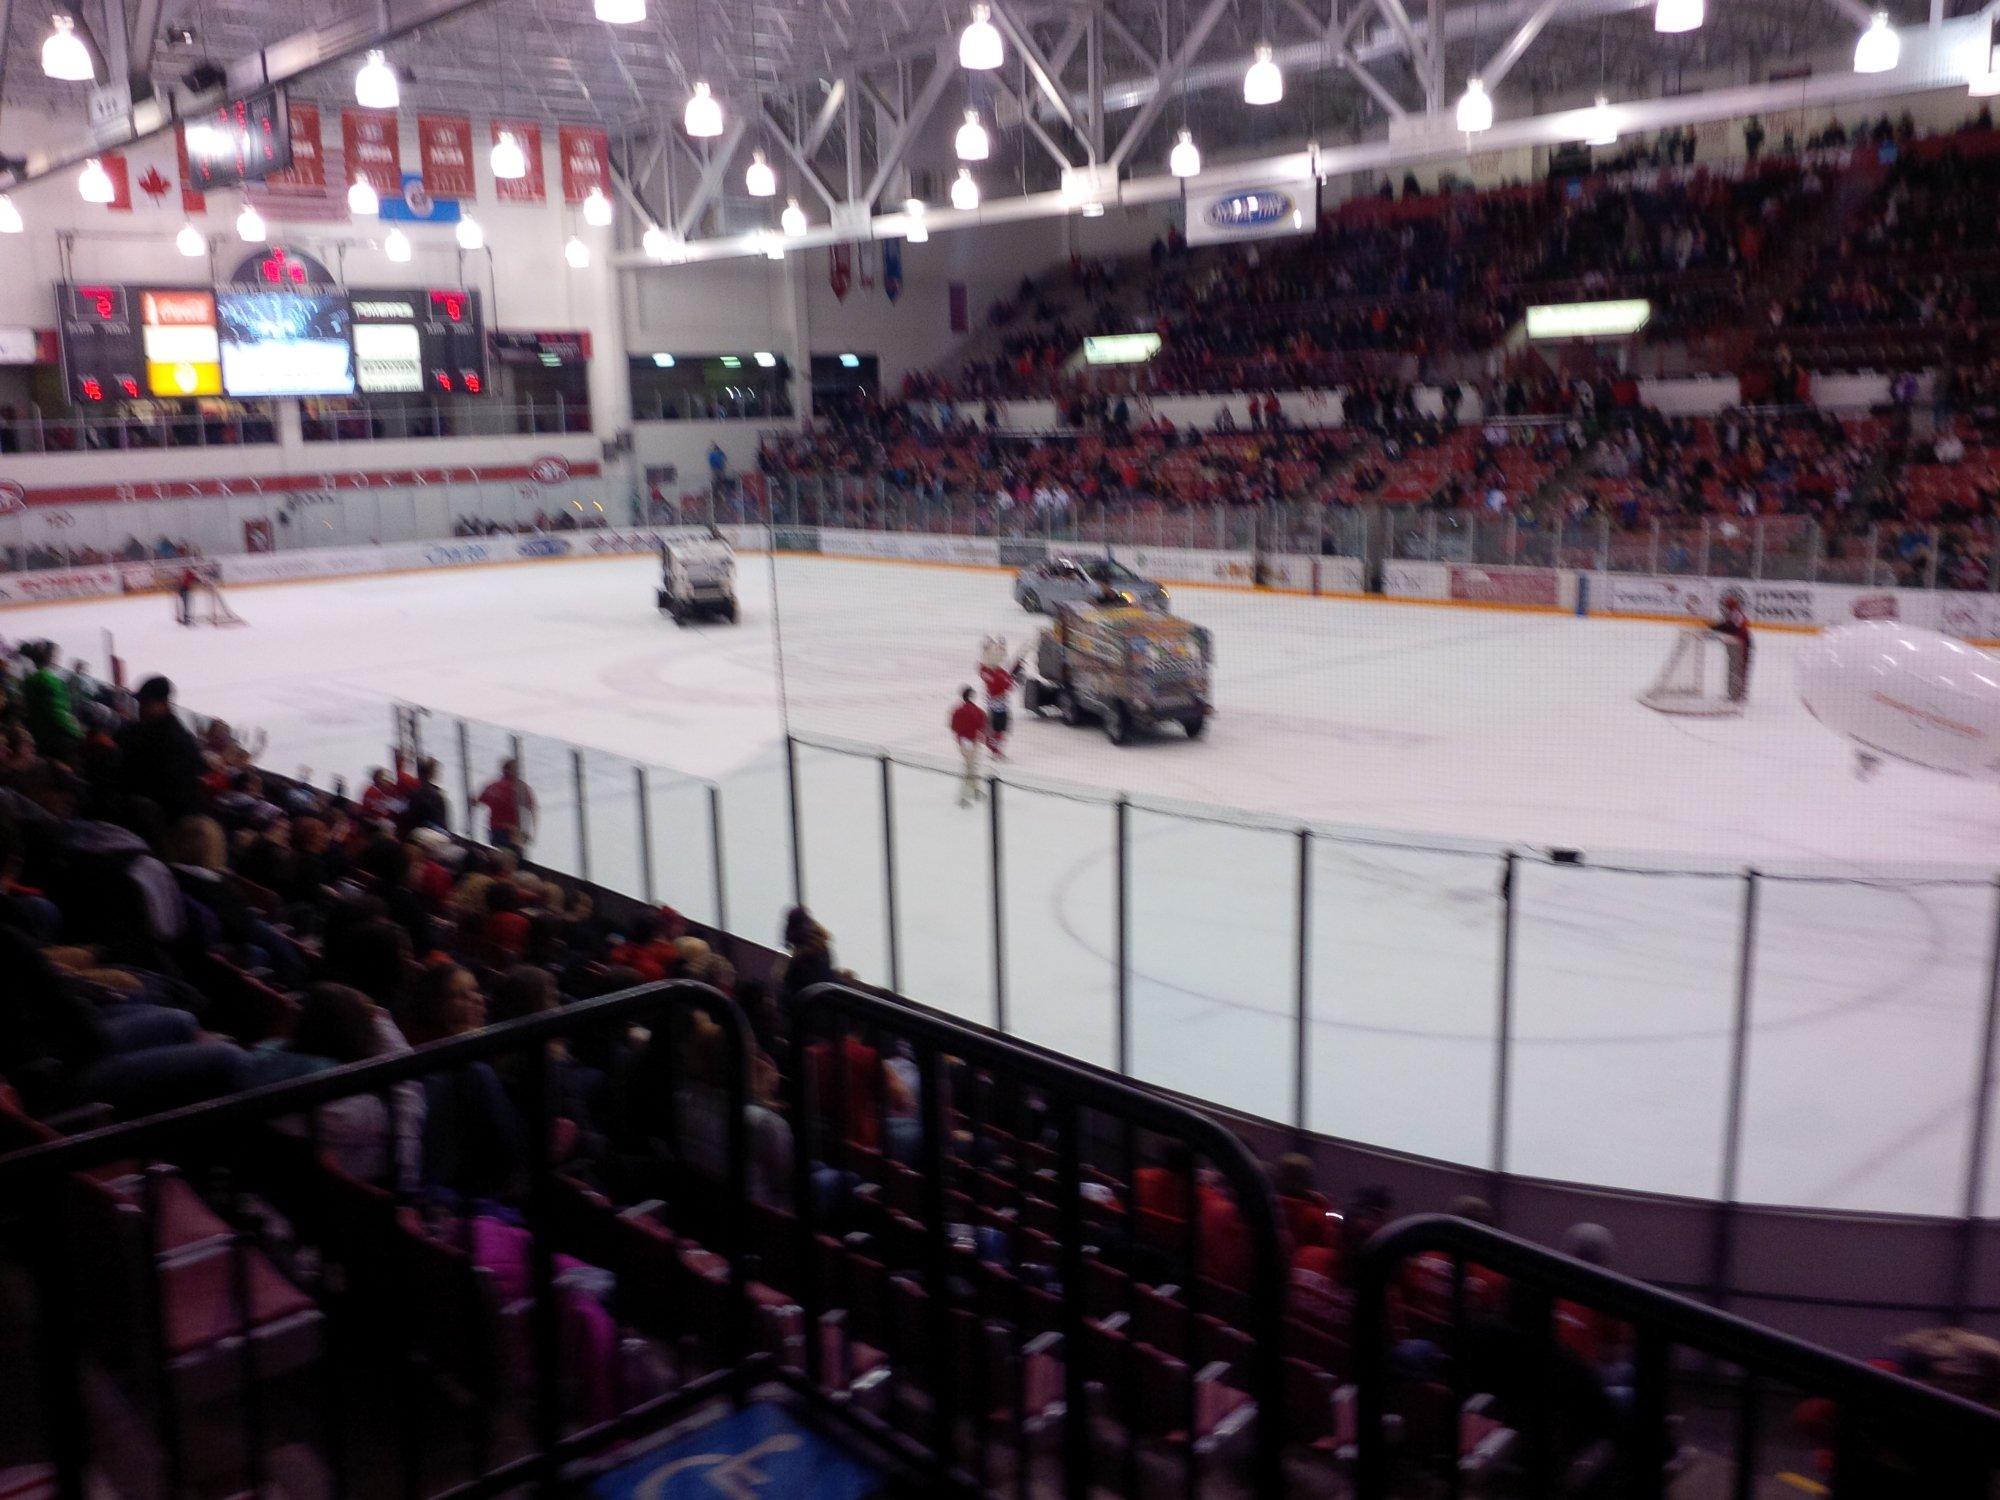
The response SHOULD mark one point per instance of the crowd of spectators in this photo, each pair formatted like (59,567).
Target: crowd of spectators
(20,557)
(542,521)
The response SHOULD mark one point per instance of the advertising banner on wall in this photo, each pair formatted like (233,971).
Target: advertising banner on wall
(444,152)
(1538,586)
(373,145)
(586,162)
(1222,216)
(531,187)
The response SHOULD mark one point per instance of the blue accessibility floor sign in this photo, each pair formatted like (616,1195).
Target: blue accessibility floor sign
(759,1453)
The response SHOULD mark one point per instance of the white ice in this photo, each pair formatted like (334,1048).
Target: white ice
(1417,741)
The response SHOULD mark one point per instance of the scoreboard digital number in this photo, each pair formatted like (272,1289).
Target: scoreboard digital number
(411,339)
(243,141)
(103,354)
(454,342)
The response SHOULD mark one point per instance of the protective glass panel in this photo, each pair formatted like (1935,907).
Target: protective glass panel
(943,900)
(677,812)
(545,765)
(1624,999)
(1212,940)
(1057,877)
(611,821)
(757,849)
(840,821)
(1867,1012)
(1404,964)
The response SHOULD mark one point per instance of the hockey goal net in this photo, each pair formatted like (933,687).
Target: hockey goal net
(205,604)
(1695,679)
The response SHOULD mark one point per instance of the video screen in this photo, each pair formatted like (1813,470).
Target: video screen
(285,343)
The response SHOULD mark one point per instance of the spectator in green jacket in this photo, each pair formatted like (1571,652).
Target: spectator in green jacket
(45,704)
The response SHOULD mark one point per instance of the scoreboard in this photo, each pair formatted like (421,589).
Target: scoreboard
(129,343)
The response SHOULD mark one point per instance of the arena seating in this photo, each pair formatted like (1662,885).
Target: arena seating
(590,1203)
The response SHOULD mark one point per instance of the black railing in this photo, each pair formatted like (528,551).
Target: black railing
(46,1190)
(979,1322)
(1891,1436)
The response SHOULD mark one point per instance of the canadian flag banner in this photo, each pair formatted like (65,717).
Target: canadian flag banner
(586,162)
(373,142)
(444,148)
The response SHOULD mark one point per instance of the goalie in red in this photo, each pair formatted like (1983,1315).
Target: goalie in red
(1734,628)
(998,677)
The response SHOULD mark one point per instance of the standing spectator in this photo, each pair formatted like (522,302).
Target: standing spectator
(510,809)
(426,807)
(45,704)
(968,727)
(158,757)
(718,469)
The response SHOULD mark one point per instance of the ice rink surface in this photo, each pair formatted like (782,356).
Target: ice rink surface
(1418,742)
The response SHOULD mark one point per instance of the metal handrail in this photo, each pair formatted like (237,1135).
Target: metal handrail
(1072,1087)
(1662,1321)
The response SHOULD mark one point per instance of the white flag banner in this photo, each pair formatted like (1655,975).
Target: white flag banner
(1216,216)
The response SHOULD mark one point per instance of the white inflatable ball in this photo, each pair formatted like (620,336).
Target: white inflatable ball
(1901,690)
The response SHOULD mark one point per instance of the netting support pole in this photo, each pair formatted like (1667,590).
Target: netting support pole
(1982,1124)
(1503,1050)
(463,738)
(792,807)
(582,814)
(645,835)
(715,856)
(1724,1256)
(997,877)
(1121,936)
(1303,979)
(889,913)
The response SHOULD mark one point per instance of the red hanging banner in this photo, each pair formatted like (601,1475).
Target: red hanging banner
(374,149)
(308,168)
(191,201)
(586,162)
(533,188)
(840,270)
(120,173)
(444,152)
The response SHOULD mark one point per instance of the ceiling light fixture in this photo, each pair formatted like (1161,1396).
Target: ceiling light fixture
(979,45)
(964,191)
(577,253)
(917,232)
(189,241)
(596,208)
(1475,108)
(1879,48)
(10,216)
(470,235)
(621,12)
(396,245)
(1600,124)
(508,160)
(971,141)
(362,200)
(774,247)
(1262,82)
(1185,159)
(793,219)
(703,116)
(759,181)
(64,57)
(93,183)
(250,226)
(375,83)
(656,242)
(1672,16)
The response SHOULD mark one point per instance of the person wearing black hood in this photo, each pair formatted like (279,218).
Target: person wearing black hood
(158,757)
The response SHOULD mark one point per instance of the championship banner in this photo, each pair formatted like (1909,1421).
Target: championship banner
(308,168)
(444,152)
(956,301)
(532,188)
(374,148)
(1219,217)
(840,270)
(192,202)
(120,172)
(892,269)
(586,162)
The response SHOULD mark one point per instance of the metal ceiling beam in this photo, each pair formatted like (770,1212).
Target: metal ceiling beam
(281,62)
(1039,70)
(1926,66)
(800,161)
(943,71)
(142,38)
(822,122)
(1191,45)
(1501,63)
(1377,90)
(1399,19)
(710,182)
